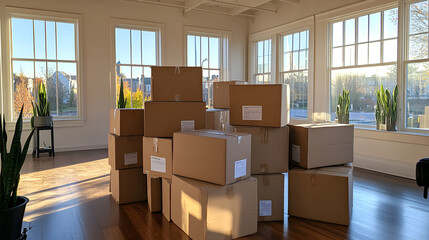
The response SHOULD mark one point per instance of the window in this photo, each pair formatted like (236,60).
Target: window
(45,50)
(294,70)
(363,55)
(136,50)
(417,66)
(263,62)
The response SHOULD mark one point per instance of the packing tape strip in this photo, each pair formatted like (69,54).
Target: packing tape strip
(114,113)
(177,98)
(177,70)
(313,179)
(230,192)
(263,167)
(239,138)
(265,180)
(155,145)
(263,138)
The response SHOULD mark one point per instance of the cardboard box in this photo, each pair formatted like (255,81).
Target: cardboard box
(218,119)
(181,84)
(162,119)
(324,194)
(166,198)
(270,148)
(321,145)
(221,94)
(125,151)
(127,122)
(158,157)
(154,193)
(128,185)
(271,188)
(212,156)
(208,211)
(259,105)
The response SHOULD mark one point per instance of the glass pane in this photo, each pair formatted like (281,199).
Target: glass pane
(295,61)
(287,61)
(260,64)
(418,47)
(136,46)
(22,38)
(337,34)
(147,74)
(303,59)
(303,40)
(67,89)
(138,88)
(337,57)
(418,17)
(51,87)
(374,52)
(374,26)
(51,44)
(417,95)
(23,87)
(349,56)
(350,31)
(298,82)
(390,23)
(295,41)
(267,64)
(65,41)
(260,49)
(123,47)
(362,83)
(149,48)
(363,29)
(124,73)
(214,53)
(40,69)
(259,79)
(363,53)
(287,43)
(39,39)
(191,51)
(206,86)
(390,50)
(205,52)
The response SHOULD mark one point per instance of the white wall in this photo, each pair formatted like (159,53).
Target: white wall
(96,44)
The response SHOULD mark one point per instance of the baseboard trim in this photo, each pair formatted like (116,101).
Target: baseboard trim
(76,148)
(388,166)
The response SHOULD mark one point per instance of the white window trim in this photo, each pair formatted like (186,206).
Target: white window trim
(276,34)
(138,25)
(7,85)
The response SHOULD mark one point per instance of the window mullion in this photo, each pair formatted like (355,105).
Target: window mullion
(56,65)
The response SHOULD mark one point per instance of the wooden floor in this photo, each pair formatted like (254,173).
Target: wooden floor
(69,199)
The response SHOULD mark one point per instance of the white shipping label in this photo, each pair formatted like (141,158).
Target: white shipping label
(188,125)
(157,164)
(240,168)
(252,113)
(130,158)
(296,153)
(265,208)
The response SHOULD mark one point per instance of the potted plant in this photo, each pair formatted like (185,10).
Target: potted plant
(343,107)
(12,207)
(122,101)
(41,114)
(386,111)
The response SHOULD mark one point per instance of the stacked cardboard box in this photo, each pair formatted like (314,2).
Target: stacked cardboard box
(322,153)
(127,181)
(263,112)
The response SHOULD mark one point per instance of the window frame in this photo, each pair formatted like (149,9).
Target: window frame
(269,73)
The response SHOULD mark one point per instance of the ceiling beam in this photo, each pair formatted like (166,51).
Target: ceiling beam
(242,8)
(191,4)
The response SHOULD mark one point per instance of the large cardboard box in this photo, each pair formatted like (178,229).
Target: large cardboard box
(324,194)
(158,157)
(125,151)
(208,211)
(166,198)
(259,105)
(162,119)
(154,193)
(218,119)
(182,84)
(321,145)
(270,148)
(128,185)
(221,94)
(127,122)
(271,189)
(212,156)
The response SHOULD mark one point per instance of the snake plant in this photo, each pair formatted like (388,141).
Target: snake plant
(42,107)
(343,107)
(122,101)
(386,111)
(11,163)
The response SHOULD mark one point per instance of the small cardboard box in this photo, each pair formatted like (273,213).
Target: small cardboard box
(221,94)
(125,152)
(324,194)
(212,156)
(321,145)
(208,211)
(166,198)
(162,119)
(128,185)
(271,188)
(217,119)
(127,122)
(270,148)
(158,157)
(181,84)
(259,105)
(154,193)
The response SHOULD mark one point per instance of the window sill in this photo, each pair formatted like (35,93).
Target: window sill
(58,123)
(392,136)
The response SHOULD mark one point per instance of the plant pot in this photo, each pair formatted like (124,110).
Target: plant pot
(390,124)
(343,119)
(42,121)
(381,126)
(11,220)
